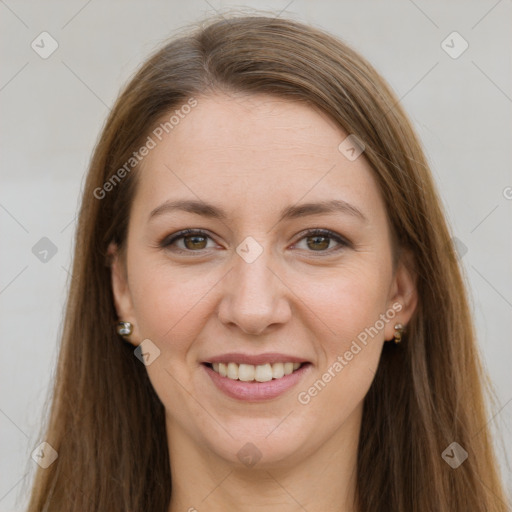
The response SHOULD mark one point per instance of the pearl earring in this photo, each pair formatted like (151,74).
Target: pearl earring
(399,330)
(124,328)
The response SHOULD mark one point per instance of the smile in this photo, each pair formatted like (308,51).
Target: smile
(254,373)
(266,380)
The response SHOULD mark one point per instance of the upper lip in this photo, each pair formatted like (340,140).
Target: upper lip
(239,358)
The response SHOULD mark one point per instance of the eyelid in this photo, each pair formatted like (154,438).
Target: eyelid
(342,241)
(174,237)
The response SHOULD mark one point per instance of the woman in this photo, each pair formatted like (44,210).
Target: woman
(266,309)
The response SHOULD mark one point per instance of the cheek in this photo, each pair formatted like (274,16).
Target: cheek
(346,302)
(349,309)
(171,308)
(350,352)
(170,303)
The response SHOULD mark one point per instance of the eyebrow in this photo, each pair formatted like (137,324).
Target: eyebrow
(288,213)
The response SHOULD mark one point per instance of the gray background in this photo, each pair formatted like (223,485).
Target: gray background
(53,109)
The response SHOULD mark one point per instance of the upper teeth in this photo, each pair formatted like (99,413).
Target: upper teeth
(259,373)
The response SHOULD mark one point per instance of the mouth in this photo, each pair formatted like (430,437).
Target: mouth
(270,377)
(254,373)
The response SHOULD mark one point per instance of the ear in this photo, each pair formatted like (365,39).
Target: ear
(121,290)
(403,291)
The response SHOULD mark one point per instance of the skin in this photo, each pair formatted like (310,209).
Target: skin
(254,155)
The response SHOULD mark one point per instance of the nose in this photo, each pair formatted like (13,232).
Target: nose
(254,296)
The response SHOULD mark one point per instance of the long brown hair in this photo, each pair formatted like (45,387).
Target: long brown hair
(105,420)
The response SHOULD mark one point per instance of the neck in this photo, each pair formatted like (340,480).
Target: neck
(324,479)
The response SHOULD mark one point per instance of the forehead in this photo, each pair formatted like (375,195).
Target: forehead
(254,151)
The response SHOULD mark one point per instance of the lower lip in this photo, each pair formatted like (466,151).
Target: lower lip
(256,391)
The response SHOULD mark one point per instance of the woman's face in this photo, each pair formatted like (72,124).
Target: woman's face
(253,177)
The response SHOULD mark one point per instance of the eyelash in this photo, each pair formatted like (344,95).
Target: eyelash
(169,240)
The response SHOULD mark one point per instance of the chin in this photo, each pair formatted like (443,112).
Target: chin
(261,443)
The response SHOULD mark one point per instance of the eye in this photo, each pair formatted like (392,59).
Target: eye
(194,240)
(319,240)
